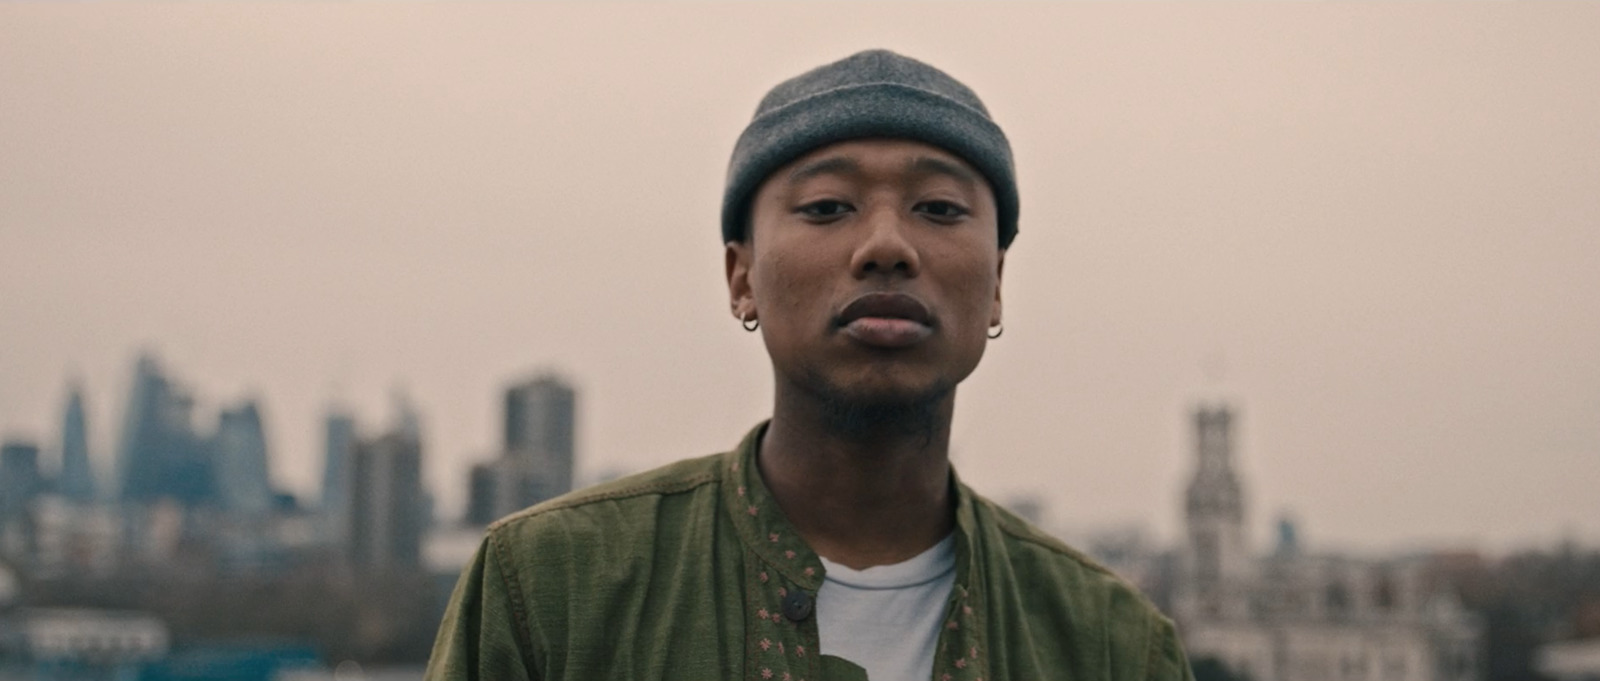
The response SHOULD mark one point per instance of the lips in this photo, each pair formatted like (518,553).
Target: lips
(886,320)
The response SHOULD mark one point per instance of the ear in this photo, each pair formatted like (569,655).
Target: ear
(995,315)
(736,261)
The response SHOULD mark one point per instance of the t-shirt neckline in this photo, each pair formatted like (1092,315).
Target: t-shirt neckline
(920,569)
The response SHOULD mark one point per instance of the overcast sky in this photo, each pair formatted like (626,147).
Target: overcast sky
(1374,229)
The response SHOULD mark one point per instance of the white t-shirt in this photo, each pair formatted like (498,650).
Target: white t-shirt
(887,618)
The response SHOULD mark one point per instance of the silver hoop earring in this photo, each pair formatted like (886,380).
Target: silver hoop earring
(749,324)
(996,330)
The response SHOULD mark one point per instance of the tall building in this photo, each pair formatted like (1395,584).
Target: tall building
(537,460)
(160,455)
(1217,559)
(1295,616)
(77,477)
(496,489)
(240,471)
(20,479)
(539,418)
(389,509)
(387,515)
(339,440)
(20,484)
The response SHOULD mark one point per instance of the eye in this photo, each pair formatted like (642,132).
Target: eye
(942,210)
(825,209)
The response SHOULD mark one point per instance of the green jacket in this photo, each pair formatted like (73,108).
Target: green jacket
(691,572)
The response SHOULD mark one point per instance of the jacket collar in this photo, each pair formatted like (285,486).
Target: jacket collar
(764,529)
(962,653)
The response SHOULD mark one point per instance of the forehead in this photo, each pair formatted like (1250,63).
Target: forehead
(877,156)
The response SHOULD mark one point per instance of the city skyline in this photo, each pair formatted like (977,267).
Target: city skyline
(1371,228)
(1291,611)
(528,427)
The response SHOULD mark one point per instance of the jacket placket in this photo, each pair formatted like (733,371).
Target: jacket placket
(782,575)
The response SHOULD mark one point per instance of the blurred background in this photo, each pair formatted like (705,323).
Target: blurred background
(1301,326)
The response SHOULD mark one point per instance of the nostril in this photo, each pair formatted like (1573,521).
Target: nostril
(874,266)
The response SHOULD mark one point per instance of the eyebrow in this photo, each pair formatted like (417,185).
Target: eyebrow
(928,165)
(921,165)
(833,164)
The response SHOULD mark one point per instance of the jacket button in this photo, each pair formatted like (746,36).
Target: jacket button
(797,605)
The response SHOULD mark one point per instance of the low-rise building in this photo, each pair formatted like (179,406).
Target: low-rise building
(1295,616)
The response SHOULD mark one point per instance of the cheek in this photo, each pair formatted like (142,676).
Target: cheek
(969,333)
(785,286)
(973,283)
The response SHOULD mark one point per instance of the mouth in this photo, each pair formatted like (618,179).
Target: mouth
(886,320)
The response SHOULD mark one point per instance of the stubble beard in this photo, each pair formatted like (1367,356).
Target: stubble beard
(862,418)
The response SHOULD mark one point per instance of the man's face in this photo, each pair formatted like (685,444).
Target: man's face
(874,269)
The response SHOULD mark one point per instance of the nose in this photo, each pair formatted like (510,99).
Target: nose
(886,249)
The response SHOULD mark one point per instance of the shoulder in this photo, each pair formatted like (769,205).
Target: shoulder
(1084,596)
(595,547)
(618,521)
(630,500)
(1052,559)
(674,478)
(1023,534)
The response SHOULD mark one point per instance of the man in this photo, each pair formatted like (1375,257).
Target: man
(867,214)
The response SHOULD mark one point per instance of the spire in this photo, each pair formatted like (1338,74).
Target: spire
(77,477)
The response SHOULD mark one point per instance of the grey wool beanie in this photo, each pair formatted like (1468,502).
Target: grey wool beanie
(875,93)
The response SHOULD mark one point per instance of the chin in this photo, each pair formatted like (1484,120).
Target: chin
(868,413)
(881,389)
(877,401)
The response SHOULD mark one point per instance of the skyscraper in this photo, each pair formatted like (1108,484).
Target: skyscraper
(141,456)
(537,461)
(160,454)
(339,439)
(387,505)
(241,477)
(539,434)
(497,488)
(77,478)
(20,480)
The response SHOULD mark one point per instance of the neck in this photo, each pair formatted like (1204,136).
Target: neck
(863,486)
